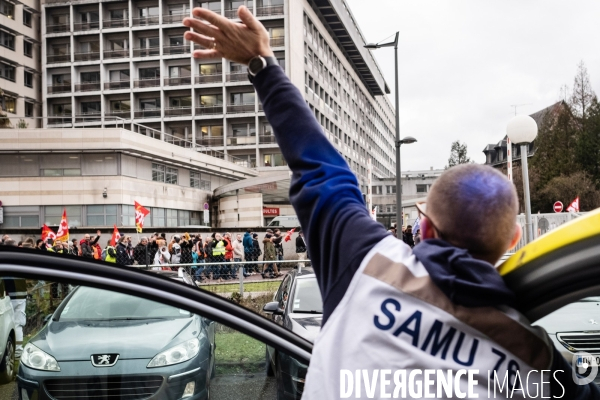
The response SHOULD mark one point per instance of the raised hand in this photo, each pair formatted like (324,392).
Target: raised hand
(222,37)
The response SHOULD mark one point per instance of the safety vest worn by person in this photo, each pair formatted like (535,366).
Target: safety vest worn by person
(110,254)
(219,249)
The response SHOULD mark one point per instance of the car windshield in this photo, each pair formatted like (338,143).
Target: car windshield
(100,305)
(593,299)
(307,298)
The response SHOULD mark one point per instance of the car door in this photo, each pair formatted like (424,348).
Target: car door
(121,330)
(556,280)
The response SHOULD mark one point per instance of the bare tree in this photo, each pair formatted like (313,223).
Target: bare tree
(582,96)
(458,155)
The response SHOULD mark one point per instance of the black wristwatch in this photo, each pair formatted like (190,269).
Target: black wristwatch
(259,63)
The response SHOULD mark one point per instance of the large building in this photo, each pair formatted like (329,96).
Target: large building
(125,65)
(20,78)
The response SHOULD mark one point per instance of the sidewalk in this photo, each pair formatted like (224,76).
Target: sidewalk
(249,279)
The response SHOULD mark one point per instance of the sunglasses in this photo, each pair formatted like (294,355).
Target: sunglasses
(422,209)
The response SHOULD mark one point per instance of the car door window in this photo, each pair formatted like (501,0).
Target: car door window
(82,342)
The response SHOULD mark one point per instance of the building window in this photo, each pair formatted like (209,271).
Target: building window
(239,130)
(214,6)
(422,188)
(118,15)
(28,76)
(242,98)
(211,100)
(211,69)
(27,18)
(11,104)
(121,75)
(28,48)
(161,173)
(53,215)
(61,172)
(90,107)
(101,215)
(199,181)
(128,215)
(180,102)
(391,189)
(120,106)
(61,109)
(158,217)
(180,71)
(90,77)
(28,109)
(7,40)
(183,217)
(171,217)
(274,160)
(7,9)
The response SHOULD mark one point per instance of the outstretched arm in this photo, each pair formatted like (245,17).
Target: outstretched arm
(324,191)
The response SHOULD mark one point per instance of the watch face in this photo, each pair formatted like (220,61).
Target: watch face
(256,64)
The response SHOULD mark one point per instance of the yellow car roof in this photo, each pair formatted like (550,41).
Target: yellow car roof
(571,232)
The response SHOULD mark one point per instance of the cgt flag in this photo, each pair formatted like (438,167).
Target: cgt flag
(140,214)
(63,229)
(115,236)
(288,235)
(574,206)
(47,233)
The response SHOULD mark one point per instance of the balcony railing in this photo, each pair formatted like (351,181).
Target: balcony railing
(269,11)
(237,77)
(147,52)
(87,86)
(58,28)
(59,88)
(125,114)
(58,58)
(233,13)
(266,139)
(87,56)
(240,140)
(145,21)
(218,77)
(86,26)
(88,117)
(144,83)
(175,18)
(148,113)
(59,119)
(116,85)
(115,23)
(209,110)
(210,141)
(116,53)
(180,49)
(182,80)
(178,141)
(178,111)
(240,108)
(278,41)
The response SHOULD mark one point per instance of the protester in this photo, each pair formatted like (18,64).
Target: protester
(74,250)
(417,237)
(408,236)
(109,254)
(162,255)
(141,252)
(375,286)
(256,252)
(198,257)
(123,257)
(186,249)
(230,271)
(218,253)
(269,255)
(301,252)
(278,243)
(247,242)
(175,249)
(88,246)
(40,245)
(238,254)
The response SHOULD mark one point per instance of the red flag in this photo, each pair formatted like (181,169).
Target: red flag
(63,229)
(47,233)
(115,236)
(140,214)
(574,207)
(288,235)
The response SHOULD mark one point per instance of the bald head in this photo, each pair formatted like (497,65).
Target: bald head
(475,208)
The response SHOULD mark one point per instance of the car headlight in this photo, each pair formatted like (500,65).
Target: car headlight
(35,358)
(177,354)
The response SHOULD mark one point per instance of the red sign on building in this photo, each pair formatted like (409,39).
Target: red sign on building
(271,211)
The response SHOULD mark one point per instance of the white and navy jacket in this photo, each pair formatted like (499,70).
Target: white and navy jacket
(387,306)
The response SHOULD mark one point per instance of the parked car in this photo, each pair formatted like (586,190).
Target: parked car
(298,307)
(152,343)
(7,338)
(285,221)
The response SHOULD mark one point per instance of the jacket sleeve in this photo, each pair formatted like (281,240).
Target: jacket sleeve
(324,191)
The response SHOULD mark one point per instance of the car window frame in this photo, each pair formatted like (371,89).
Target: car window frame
(33,264)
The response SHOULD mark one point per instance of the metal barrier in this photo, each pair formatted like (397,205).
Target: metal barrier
(192,269)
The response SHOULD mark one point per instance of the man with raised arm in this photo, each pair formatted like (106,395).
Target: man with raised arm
(393,314)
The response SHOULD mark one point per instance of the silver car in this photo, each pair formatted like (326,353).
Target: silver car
(7,338)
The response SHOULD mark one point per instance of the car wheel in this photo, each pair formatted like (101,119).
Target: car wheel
(7,366)
(268,366)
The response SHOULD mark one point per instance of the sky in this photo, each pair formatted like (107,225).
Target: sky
(463,63)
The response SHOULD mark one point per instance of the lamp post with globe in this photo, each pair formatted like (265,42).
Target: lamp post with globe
(522,130)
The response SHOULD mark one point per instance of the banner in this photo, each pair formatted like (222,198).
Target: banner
(574,206)
(140,214)
(63,229)
(47,233)
(115,236)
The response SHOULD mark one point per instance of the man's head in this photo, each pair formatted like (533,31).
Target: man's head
(269,231)
(218,236)
(238,237)
(248,230)
(473,207)
(5,238)
(144,241)
(277,232)
(87,237)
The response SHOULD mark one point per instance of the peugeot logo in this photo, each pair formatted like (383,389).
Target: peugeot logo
(104,360)
(593,322)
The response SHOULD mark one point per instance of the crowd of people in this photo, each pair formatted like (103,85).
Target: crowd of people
(408,236)
(223,253)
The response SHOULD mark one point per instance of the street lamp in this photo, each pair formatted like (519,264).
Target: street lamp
(522,130)
(406,140)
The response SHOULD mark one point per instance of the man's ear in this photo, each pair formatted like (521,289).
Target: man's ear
(516,236)
(427,231)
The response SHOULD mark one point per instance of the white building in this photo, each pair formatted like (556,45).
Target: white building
(124,64)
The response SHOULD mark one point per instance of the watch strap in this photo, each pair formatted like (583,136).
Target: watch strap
(268,61)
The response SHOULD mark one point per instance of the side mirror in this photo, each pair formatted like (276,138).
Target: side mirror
(47,318)
(273,308)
